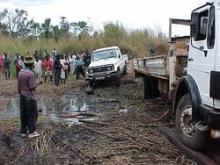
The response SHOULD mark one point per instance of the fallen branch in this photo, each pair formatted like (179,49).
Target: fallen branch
(164,116)
(92,122)
(155,125)
(73,115)
(127,147)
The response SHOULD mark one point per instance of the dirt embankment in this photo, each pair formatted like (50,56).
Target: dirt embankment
(126,134)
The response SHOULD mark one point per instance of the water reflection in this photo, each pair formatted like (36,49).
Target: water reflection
(68,108)
(9,108)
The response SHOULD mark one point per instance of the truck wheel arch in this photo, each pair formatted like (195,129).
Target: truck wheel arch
(188,85)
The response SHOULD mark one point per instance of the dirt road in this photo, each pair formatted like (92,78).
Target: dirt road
(113,126)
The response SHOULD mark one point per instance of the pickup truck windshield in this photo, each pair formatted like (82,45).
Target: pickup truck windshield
(96,56)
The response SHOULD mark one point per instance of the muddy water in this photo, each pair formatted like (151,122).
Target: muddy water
(9,108)
(73,107)
(69,108)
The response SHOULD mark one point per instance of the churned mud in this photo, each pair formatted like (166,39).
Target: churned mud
(112,126)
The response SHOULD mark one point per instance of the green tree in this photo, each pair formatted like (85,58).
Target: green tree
(114,32)
(34,28)
(64,26)
(80,28)
(56,32)
(46,28)
(14,23)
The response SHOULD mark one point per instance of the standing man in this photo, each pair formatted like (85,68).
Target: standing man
(27,85)
(62,74)
(38,67)
(57,70)
(87,59)
(6,66)
(17,64)
(72,61)
(79,67)
(1,62)
(48,64)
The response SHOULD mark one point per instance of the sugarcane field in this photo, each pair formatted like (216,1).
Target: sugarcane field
(109,83)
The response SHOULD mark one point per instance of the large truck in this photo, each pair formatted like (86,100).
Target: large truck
(190,80)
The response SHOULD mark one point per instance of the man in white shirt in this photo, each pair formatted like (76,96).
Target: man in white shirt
(38,68)
(72,59)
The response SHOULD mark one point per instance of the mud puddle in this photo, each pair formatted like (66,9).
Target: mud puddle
(71,108)
(74,108)
(9,108)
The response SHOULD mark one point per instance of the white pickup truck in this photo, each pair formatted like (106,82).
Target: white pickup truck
(107,64)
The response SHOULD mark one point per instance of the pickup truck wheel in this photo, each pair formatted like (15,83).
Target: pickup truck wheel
(91,83)
(186,129)
(143,89)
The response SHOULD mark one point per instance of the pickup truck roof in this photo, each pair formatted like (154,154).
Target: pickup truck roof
(107,48)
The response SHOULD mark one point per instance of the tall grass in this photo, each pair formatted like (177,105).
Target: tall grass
(136,43)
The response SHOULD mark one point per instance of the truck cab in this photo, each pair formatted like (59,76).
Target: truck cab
(197,97)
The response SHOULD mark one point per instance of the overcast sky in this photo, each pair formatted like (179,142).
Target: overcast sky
(132,13)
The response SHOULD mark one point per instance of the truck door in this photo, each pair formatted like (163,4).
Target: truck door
(213,43)
(201,58)
(119,56)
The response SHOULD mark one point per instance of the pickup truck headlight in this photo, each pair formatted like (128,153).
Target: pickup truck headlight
(109,68)
(90,71)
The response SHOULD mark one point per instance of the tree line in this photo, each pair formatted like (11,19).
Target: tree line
(17,24)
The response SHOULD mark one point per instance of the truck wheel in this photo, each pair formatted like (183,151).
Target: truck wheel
(125,70)
(91,83)
(185,128)
(142,85)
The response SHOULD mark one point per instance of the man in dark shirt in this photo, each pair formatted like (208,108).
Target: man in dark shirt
(6,66)
(28,104)
(57,70)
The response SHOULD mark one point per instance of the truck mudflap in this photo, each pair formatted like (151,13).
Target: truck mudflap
(209,156)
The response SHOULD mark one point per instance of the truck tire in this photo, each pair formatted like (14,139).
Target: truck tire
(125,71)
(185,128)
(91,83)
(143,87)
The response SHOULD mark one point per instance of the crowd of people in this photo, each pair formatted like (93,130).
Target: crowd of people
(53,67)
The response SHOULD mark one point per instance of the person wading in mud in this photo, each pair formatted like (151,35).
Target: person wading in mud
(27,85)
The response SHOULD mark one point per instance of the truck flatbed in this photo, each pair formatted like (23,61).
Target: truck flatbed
(209,156)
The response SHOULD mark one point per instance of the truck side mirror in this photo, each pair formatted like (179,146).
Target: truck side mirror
(194,25)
